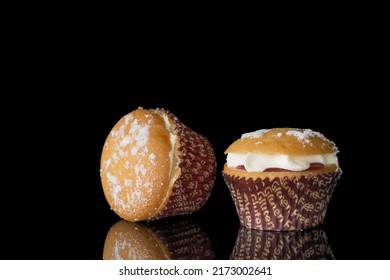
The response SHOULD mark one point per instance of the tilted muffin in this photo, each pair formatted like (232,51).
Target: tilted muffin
(153,166)
(282,178)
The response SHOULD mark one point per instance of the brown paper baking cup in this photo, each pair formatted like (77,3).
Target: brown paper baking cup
(198,172)
(288,203)
(164,239)
(309,244)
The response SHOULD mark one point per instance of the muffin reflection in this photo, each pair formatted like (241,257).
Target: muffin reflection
(310,244)
(166,239)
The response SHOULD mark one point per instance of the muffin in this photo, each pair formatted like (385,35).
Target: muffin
(153,166)
(281,179)
(308,244)
(161,239)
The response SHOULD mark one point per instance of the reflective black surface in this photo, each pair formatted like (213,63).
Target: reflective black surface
(308,244)
(176,238)
(53,205)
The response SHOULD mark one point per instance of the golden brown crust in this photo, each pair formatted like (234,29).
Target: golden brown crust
(135,165)
(289,141)
(281,174)
(153,166)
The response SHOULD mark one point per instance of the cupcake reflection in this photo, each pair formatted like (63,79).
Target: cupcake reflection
(310,244)
(166,239)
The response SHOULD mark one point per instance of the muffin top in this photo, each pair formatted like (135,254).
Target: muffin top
(290,141)
(137,163)
(287,149)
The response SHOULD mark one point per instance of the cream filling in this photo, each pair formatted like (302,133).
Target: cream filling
(172,139)
(258,162)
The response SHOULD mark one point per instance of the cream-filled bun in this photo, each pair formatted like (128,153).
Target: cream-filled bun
(281,178)
(279,151)
(154,166)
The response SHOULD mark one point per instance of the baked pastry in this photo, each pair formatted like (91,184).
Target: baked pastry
(308,244)
(281,178)
(157,240)
(153,166)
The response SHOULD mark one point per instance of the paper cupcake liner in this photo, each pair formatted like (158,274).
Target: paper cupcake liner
(177,240)
(309,244)
(282,203)
(198,172)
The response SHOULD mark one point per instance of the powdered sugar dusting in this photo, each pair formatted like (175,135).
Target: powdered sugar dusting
(125,141)
(127,168)
(152,157)
(106,164)
(128,165)
(305,134)
(257,133)
(120,132)
(115,157)
(116,189)
(137,136)
(139,168)
(128,118)
(140,136)
(128,182)
(112,179)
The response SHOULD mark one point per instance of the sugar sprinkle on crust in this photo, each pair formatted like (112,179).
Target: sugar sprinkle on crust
(291,141)
(150,167)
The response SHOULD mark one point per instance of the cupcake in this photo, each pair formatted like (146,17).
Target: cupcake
(281,179)
(153,166)
(308,244)
(157,240)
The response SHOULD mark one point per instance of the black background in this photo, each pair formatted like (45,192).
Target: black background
(60,112)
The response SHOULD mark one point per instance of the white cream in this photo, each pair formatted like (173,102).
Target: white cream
(172,139)
(258,162)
